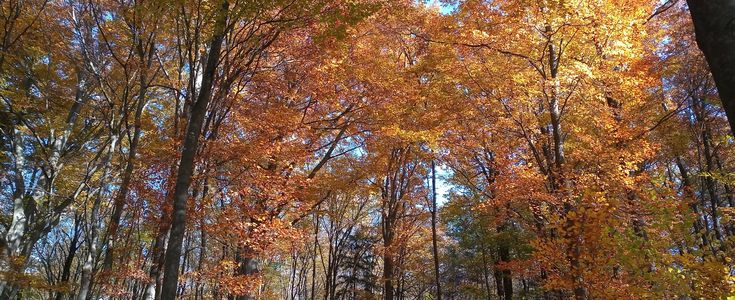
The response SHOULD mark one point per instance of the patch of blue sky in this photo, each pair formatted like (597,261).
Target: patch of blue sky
(442,184)
(444,7)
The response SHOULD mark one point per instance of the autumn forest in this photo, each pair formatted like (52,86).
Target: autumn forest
(367,149)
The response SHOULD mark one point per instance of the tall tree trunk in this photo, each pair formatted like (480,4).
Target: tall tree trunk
(714,198)
(498,276)
(14,236)
(433,232)
(69,260)
(314,253)
(486,273)
(504,255)
(188,153)
(388,276)
(19,239)
(388,256)
(152,288)
(715,33)
(561,183)
(247,265)
(92,238)
(119,201)
(689,194)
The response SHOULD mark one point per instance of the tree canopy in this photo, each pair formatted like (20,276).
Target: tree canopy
(367,149)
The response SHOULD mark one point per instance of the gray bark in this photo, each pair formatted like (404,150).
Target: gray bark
(714,25)
(435,248)
(186,164)
(92,239)
(29,222)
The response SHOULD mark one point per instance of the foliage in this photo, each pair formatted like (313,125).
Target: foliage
(575,149)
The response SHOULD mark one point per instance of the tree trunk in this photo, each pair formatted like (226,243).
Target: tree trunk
(69,260)
(715,34)
(689,193)
(486,273)
(186,164)
(19,239)
(433,232)
(152,289)
(247,265)
(714,198)
(561,184)
(504,255)
(92,238)
(388,276)
(314,253)
(119,201)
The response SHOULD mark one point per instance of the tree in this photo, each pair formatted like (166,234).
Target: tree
(364,150)
(713,27)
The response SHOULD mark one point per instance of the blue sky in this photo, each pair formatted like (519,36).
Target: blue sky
(443,7)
